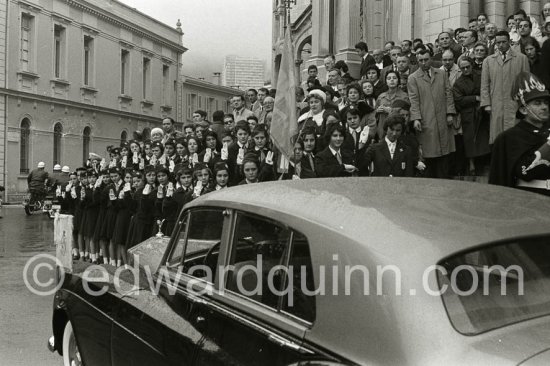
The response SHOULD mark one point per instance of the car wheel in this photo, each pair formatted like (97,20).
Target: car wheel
(71,355)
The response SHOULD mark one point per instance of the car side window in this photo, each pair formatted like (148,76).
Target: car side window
(259,245)
(267,261)
(200,243)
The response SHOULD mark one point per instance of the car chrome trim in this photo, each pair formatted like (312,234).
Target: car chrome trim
(289,344)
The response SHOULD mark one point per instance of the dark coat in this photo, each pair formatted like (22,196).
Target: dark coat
(235,175)
(402,164)
(513,150)
(365,63)
(475,122)
(545,60)
(327,165)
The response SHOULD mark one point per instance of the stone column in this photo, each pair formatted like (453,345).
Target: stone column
(347,32)
(405,20)
(531,7)
(3,97)
(320,20)
(375,22)
(496,10)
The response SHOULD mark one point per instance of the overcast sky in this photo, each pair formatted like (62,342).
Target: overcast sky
(215,28)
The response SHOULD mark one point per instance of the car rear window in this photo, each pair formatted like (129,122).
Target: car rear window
(497,285)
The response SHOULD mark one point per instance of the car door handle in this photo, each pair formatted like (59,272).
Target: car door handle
(288,344)
(200,319)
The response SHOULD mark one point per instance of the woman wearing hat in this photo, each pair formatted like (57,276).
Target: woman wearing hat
(521,154)
(314,117)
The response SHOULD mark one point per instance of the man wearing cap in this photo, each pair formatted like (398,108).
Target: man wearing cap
(55,175)
(521,154)
(37,180)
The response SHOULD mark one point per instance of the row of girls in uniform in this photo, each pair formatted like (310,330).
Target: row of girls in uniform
(116,208)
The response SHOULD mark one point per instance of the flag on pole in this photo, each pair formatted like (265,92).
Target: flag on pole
(284,123)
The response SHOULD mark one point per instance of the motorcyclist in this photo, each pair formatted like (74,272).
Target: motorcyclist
(37,182)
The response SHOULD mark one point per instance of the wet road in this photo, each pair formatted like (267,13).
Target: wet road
(25,318)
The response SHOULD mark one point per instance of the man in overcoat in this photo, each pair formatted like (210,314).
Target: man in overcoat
(433,111)
(497,77)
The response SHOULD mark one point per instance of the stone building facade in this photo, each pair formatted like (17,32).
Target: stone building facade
(208,96)
(323,27)
(77,76)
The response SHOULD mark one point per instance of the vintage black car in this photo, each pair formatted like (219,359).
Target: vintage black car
(194,300)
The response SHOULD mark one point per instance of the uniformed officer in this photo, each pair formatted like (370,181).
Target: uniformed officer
(521,154)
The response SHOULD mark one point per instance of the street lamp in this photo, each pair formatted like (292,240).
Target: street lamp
(284,9)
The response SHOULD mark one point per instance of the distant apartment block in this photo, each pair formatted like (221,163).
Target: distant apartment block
(243,72)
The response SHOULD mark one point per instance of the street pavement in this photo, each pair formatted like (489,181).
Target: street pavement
(25,318)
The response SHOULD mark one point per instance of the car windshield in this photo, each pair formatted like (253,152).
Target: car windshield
(497,285)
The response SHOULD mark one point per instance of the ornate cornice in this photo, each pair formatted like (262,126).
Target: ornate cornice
(123,24)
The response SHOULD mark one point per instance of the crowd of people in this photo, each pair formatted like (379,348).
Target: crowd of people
(416,110)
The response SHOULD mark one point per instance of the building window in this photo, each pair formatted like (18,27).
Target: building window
(57,134)
(88,60)
(86,144)
(59,50)
(124,71)
(26,41)
(165,85)
(24,146)
(123,137)
(146,77)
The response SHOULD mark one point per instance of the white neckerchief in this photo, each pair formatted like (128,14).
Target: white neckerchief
(391,146)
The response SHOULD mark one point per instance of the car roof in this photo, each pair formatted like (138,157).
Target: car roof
(451,215)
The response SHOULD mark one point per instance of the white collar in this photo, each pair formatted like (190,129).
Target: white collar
(334,152)
(358,129)
(389,142)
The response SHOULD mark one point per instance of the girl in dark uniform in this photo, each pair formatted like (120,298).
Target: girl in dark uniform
(122,221)
(138,182)
(263,153)
(181,152)
(183,193)
(103,202)
(80,212)
(92,211)
(250,168)
(145,207)
(108,228)
(211,154)
(203,179)
(221,176)
(163,185)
